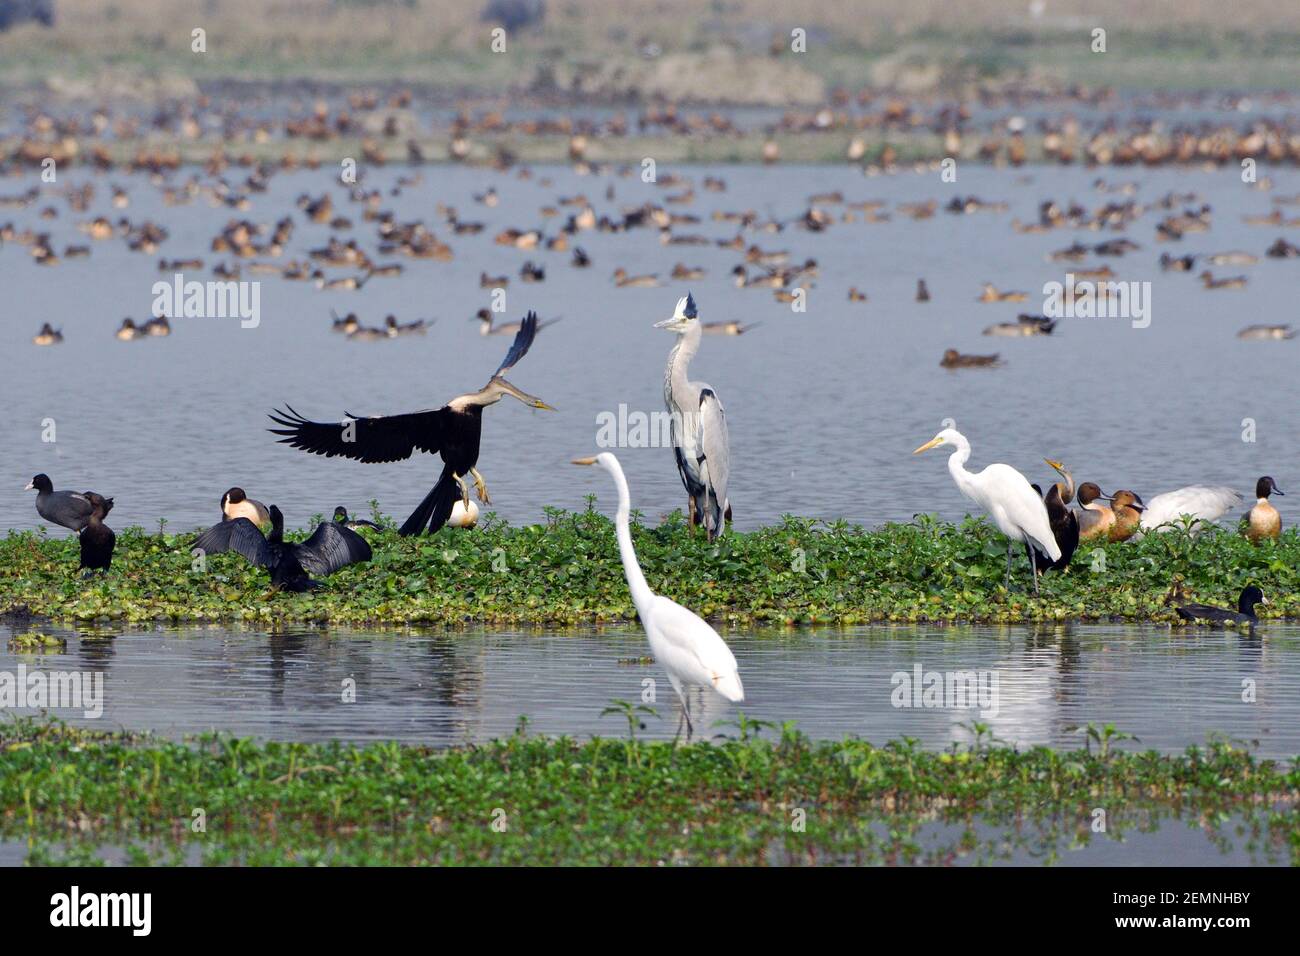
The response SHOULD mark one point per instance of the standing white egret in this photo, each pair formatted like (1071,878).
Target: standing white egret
(1006,495)
(699,426)
(688,648)
(1204,503)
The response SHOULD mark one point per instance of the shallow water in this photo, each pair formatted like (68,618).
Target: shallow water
(1169,689)
(824,407)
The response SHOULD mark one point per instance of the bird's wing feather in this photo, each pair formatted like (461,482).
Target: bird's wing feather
(689,635)
(715,442)
(239,535)
(379,438)
(65,506)
(520,346)
(1204,502)
(1005,488)
(332,546)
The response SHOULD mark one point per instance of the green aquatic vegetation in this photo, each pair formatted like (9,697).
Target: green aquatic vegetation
(759,795)
(566,571)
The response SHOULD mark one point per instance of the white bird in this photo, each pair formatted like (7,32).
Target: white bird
(688,648)
(699,426)
(1205,503)
(1006,495)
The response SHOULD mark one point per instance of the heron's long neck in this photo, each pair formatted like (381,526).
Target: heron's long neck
(636,581)
(957,468)
(679,360)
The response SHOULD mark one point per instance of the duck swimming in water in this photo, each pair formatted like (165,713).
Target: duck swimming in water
(489,326)
(1209,614)
(331,547)
(954,359)
(69,509)
(1266,333)
(128,331)
(47,335)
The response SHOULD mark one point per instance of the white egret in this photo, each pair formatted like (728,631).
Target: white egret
(699,426)
(1006,495)
(688,648)
(1204,503)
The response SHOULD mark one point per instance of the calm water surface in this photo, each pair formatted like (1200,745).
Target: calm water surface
(1171,690)
(824,407)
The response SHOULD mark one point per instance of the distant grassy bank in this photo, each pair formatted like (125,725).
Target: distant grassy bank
(566,572)
(650,48)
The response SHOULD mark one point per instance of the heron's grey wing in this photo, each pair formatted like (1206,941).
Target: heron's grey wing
(715,443)
(520,346)
(332,546)
(239,535)
(67,508)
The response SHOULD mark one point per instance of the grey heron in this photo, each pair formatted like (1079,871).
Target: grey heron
(699,425)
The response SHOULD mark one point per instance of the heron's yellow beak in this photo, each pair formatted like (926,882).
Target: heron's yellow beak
(936,440)
(584,461)
(1054,464)
(543,406)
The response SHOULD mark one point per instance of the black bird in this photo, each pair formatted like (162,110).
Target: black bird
(1245,613)
(1065,529)
(341,516)
(97,538)
(453,431)
(70,509)
(331,547)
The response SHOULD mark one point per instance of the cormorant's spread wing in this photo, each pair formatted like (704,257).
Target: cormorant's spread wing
(236,534)
(332,546)
(378,438)
(522,343)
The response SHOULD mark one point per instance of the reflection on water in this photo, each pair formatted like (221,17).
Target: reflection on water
(1157,838)
(1171,689)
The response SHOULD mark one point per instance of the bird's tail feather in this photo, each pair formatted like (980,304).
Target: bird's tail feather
(436,507)
(729,686)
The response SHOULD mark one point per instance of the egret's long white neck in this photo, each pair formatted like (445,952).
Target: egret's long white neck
(636,582)
(957,467)
(679,360)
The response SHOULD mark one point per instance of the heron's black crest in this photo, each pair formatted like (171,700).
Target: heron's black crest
(690,311)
